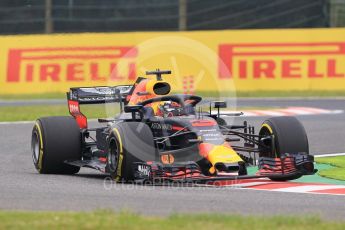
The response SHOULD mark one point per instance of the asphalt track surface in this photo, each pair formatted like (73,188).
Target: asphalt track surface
(22,188)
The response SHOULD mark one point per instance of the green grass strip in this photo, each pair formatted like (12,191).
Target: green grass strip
(337,172)
(129,221)
(32,112)
(55,95)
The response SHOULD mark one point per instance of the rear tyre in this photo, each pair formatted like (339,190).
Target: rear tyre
(289,137)
(129,142)
(55,140)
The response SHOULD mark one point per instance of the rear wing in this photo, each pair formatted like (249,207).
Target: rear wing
(95,95)
(100,94)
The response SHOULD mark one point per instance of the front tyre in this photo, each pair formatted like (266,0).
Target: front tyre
(289,137)
(129,143)
(55,140)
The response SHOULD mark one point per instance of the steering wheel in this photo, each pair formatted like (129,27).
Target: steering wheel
(180,99)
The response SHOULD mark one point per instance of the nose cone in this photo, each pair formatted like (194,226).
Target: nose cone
(223,154)
(220,157)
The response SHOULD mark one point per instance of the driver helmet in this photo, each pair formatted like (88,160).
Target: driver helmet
(170,109)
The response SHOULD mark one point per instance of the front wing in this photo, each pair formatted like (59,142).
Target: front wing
(285,167)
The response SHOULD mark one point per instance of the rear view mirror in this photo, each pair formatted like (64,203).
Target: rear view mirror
(134,109)
(220,104)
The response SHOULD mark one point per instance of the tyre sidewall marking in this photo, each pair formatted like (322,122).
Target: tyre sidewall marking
(119,166)
(40,157)
(269,128)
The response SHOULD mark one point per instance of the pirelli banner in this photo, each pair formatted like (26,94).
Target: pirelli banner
(243,60)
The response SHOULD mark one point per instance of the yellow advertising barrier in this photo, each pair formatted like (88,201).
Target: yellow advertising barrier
(242,60)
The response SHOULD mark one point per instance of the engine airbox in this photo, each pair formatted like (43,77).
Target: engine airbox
(158,87)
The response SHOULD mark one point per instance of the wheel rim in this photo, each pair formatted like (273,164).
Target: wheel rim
(35,147)
(113,156)
(264,133)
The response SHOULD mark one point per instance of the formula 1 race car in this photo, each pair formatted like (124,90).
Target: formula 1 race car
(161,137)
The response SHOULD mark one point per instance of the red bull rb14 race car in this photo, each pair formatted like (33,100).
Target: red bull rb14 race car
(158,136)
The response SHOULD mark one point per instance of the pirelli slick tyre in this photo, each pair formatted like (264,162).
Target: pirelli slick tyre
(129,142)
(289,137)
(55,140)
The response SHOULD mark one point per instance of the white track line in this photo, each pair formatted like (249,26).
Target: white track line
(310,192)
(243,184)
(29,122)
(329,155)
(16,122)
(234,184)
(289,111)
(308,188)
